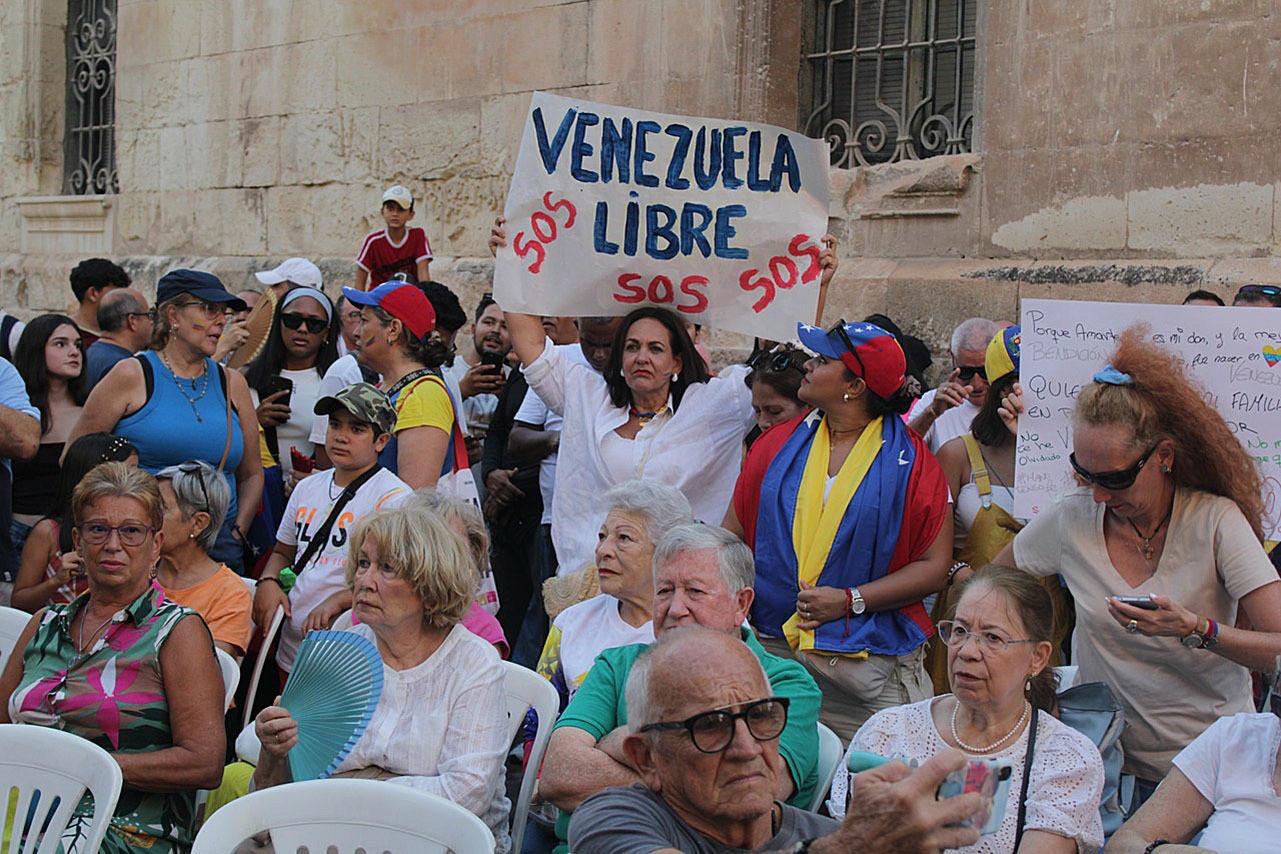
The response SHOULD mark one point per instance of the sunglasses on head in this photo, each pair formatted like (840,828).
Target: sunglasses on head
(195,468)
(839,329)
(777,361)
(966,373)
(314,325)
(1266,290)
(1120,479)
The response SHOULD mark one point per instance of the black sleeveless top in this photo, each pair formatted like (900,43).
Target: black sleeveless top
(35,481)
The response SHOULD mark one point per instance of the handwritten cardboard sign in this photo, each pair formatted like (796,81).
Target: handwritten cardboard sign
(1234,353)
(613,208)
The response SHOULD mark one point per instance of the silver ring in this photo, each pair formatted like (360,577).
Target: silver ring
(1132,627)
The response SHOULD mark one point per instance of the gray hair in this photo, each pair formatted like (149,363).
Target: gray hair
(733,558)
(450,508)
(973,334)
(115,308)
(191,497)
(662,507)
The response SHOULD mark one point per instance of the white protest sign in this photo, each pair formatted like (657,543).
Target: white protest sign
(612,208)
(1234,353)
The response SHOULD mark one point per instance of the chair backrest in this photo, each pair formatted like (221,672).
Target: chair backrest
(12,622)
(230,676)
(264,652)
(50,771)
(343,816)
(527,690)
(830,752)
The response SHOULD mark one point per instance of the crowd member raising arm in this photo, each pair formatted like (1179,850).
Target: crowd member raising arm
(1169,513)
(655,414)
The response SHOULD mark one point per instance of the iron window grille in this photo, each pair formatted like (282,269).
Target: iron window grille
(90,141)
(891,80)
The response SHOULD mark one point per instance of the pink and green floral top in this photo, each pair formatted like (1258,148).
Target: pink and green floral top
(113,695)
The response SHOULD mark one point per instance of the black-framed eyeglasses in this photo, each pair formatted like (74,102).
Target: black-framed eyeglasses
(1119,479)
(191,467)
(839,329)
(150,315)
(777,361)
(712,732)
(965,373)
(315,325)
(131,534)
(955,635)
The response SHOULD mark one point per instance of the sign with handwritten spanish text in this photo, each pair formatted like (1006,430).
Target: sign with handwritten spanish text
(1233,353)
(612,208)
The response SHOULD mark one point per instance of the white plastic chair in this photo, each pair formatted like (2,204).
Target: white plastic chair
(50,771)
(830,751)
(343,816)
(230,676)
(525,690)
(264,652)
(12,622)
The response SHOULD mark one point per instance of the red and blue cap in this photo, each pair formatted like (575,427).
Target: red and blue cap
(403,301)
(865,348)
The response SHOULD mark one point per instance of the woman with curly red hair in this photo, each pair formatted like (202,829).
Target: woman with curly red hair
(1161,548)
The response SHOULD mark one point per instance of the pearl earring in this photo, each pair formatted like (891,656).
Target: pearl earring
(676,377)
(846,397)
(191,536)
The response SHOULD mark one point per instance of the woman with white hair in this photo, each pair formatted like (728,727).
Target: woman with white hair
(638,514)
(196,499)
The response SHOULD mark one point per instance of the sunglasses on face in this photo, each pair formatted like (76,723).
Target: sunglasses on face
(967,373)
(712,732)
(295,321)
(839,329)
(1120,479)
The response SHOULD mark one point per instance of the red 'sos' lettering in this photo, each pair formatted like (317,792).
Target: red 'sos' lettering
(563,204)
(635,293)
(688,285)
(745,282)
(522,250)
(539,218)
(788,266)
(815,269)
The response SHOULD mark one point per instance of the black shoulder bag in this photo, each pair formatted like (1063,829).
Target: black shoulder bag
(1027,776)
(323,533)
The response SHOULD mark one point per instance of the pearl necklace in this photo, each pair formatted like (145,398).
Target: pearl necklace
(971,748)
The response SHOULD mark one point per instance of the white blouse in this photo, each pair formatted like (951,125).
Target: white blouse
(443,726)
(1062,797)
(698,449)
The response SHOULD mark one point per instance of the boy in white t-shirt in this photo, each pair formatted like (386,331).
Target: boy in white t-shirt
(360,422)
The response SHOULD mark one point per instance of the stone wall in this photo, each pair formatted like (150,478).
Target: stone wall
(1125,150)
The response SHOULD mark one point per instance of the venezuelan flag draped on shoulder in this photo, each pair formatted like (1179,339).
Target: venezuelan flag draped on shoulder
(886,506)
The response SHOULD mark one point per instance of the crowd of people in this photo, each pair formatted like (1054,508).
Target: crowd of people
(716,566)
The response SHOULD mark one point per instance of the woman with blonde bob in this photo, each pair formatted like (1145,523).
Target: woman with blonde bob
(1161,548)
(441,723)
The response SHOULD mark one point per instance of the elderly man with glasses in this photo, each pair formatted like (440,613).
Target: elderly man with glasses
(704,728)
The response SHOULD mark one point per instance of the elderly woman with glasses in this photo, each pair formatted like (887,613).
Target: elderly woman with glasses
(1001,708)
(195,503)
(1162,551)
(172,402)
(126,668)
(847,514)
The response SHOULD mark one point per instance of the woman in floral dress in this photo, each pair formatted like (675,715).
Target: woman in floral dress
(125,668)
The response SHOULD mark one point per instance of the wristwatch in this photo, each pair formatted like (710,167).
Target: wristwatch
(1203,638)
(857,605)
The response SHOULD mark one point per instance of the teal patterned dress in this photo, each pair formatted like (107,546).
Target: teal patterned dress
(113,696)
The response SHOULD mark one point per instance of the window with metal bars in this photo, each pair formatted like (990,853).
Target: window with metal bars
(889,80)
(90,142)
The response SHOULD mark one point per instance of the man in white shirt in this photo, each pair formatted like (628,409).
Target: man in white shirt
(482,373)
(944,413)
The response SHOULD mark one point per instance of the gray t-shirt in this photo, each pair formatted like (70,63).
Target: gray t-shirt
(634,820)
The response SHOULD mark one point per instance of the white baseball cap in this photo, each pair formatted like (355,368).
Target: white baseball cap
(400,195)
(300,271)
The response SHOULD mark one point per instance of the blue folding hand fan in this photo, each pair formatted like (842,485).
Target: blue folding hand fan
(331,692)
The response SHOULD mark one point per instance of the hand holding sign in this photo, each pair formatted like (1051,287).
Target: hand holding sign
(613,208)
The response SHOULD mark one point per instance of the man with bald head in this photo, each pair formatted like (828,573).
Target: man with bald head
(704,726)
(944,413)
(703,576)
(126,322)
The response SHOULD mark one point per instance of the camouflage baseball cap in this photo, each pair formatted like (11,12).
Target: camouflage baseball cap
(363,401)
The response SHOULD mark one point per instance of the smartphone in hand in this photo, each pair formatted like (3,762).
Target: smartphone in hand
(278,384)
(1138,602)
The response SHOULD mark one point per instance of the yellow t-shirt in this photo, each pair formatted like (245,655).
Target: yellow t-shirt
(424,403)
